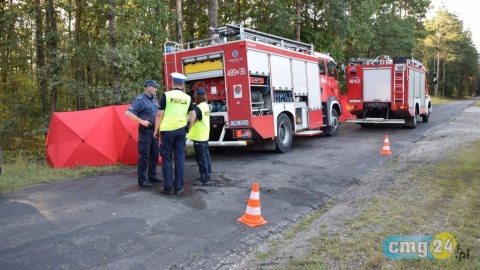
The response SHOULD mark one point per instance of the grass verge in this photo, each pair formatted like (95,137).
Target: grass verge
(21,173)
(443,197)
(441,100)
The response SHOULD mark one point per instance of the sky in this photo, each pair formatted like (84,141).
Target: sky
(466,13)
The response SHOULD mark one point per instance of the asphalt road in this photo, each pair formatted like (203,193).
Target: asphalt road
(108,222)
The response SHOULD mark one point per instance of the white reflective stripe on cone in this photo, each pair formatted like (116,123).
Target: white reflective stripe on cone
(254,211)
(255,195)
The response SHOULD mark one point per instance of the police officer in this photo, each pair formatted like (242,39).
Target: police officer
(199,134)
(172,123)
(143,111)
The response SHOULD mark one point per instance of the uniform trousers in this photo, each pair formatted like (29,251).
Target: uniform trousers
(173,142)
(202,156)
(147,156)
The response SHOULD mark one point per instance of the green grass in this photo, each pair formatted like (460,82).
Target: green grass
(274,246)
(434,199)
(21,173)
(441,100)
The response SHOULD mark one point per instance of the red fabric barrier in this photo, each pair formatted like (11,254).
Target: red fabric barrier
(95,137)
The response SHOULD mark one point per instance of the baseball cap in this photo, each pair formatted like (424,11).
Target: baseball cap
(178,77)
(200,91)
(151,83)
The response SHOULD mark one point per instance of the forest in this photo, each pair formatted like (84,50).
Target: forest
(67,55)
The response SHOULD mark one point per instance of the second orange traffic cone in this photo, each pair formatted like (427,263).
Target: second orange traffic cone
(386,147)
(253,216)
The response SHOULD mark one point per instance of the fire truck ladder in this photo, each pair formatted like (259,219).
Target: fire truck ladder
(399,83)
(171,47)
(238,32)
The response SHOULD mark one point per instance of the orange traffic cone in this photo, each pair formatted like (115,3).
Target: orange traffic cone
(253,216)
(386,147)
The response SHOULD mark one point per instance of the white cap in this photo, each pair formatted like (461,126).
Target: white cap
(178,77)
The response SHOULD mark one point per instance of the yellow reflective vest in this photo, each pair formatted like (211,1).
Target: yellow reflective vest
(176,110)
(200,131)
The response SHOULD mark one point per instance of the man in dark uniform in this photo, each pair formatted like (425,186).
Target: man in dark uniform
(172,123)
(143,111)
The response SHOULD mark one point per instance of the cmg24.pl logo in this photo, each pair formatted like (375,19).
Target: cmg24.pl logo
(440,246)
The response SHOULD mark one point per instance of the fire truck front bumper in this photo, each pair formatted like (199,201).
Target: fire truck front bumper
(376,121)
(219,143)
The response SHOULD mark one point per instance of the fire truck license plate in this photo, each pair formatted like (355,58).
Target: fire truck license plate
(236,123)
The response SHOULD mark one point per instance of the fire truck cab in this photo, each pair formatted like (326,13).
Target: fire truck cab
(385,90)
(261,88)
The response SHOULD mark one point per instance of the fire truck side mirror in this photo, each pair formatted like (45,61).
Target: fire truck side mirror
(434,78)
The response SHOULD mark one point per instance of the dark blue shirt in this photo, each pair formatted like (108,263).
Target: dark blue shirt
(145,108)
(198,113)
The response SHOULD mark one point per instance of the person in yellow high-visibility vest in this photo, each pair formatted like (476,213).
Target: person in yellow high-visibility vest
(199,134)
(172,123)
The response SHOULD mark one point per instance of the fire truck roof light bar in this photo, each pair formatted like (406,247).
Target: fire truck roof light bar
(239,32)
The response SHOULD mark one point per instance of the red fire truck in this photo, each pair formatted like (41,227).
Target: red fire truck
(385,90)
(262,88)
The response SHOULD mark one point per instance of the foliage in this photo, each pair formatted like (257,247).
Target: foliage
(70,63)
(459,66)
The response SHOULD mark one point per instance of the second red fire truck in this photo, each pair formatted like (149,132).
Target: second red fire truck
(261,88)
(385,90)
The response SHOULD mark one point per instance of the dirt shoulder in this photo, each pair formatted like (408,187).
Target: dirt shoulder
(435,147)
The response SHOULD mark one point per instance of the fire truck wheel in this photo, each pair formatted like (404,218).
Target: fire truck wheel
(411,122)
(425,117)
(333,129)
(284,134)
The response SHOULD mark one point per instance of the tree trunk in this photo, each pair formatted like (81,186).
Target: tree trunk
(212,17)
(298,23)
(54,65)
(460,87)
(443,80)
(179,26)
(40,50)
(4,48)
(239,10)
(76,63)
(115,58)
